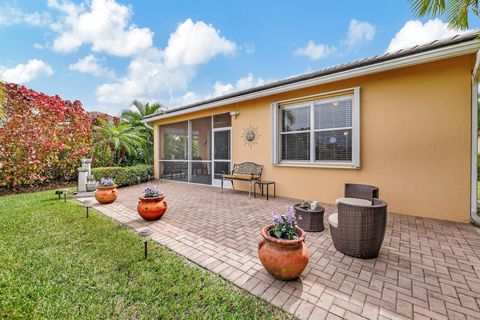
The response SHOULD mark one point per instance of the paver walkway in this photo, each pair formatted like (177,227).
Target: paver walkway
(426,268)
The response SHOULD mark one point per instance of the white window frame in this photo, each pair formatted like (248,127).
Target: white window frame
(309,131)
(276,126)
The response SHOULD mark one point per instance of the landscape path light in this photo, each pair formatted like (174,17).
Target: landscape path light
(65,192)
(59,193)
(88,204)
(145,234)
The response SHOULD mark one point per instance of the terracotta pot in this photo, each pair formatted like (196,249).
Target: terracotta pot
(105,195)
(283,259)
(151,208)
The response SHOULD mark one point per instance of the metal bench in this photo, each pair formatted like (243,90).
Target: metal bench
(245,171)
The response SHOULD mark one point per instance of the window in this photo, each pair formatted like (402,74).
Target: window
(295,133)
(321,131)
(333,129)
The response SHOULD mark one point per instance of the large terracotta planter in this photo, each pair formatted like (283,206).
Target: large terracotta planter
(105,195)
(151,208)
(283,259)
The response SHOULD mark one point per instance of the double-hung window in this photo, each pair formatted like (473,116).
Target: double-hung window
(321,131)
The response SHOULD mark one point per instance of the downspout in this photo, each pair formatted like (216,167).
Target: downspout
(474,218)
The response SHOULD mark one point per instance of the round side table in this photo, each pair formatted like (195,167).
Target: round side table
(310,219)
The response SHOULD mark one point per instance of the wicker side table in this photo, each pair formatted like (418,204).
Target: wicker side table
(310,219)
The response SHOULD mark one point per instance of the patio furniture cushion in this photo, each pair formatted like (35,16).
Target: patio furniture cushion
(333,220)
(354,202)
(238,176)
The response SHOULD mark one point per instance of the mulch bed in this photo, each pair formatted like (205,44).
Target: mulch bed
(42,187)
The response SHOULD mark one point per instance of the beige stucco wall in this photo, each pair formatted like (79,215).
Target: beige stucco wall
(415,140)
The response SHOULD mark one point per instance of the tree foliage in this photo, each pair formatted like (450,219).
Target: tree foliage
(42,137)
(134,116)
(455,11)
(116,142)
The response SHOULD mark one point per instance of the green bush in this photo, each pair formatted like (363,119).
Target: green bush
(125,176)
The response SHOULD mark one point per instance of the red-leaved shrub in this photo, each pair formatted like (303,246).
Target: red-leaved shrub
(42,138)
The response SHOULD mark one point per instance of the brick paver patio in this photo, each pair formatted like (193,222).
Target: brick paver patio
(427,269)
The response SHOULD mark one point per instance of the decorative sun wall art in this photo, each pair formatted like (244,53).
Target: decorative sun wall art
(250,136)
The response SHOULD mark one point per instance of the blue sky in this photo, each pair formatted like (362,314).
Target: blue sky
(108,52)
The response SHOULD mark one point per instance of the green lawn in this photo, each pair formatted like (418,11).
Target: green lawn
(55,263)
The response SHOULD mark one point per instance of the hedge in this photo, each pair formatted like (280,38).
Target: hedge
(125,176)
(42,138)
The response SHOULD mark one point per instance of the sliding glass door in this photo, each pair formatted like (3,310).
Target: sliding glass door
(196,150)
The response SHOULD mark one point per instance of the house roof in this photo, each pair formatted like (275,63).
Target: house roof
(370,61)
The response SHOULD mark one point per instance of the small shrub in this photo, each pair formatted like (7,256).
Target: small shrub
(125,176)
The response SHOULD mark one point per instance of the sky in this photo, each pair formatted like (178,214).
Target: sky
(107,53)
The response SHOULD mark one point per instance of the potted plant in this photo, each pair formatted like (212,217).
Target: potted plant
(282,250)
(151,205)
(106,191)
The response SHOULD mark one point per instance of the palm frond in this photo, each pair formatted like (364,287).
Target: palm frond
(433,8)
(455,11)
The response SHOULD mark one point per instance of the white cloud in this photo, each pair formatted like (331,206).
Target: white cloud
(37,19)
(12,15)
(155,72)
(187,98)
(103,24)
(106,26)
(93,65)
(23,73)
(249,48)
(147,78)
(195,43)
(315,51)
(219,89)
(414,32)
(38,46)
(359,32)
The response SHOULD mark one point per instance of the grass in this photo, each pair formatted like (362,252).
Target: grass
(55,263)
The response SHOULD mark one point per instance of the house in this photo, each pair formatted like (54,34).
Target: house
(403,121)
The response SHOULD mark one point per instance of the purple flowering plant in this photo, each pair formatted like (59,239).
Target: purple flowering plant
(151,191)
(107,182)
(284,225)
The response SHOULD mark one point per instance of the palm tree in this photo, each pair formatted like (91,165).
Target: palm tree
(134,117)
(456,11)
(139,111)
(116,142)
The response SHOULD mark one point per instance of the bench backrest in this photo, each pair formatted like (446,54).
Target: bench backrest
(248,168)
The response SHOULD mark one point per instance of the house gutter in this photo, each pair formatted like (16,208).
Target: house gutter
(474,217)
(410,60)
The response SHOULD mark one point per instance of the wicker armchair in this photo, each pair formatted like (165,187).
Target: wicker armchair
(359,230)
(361,191)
